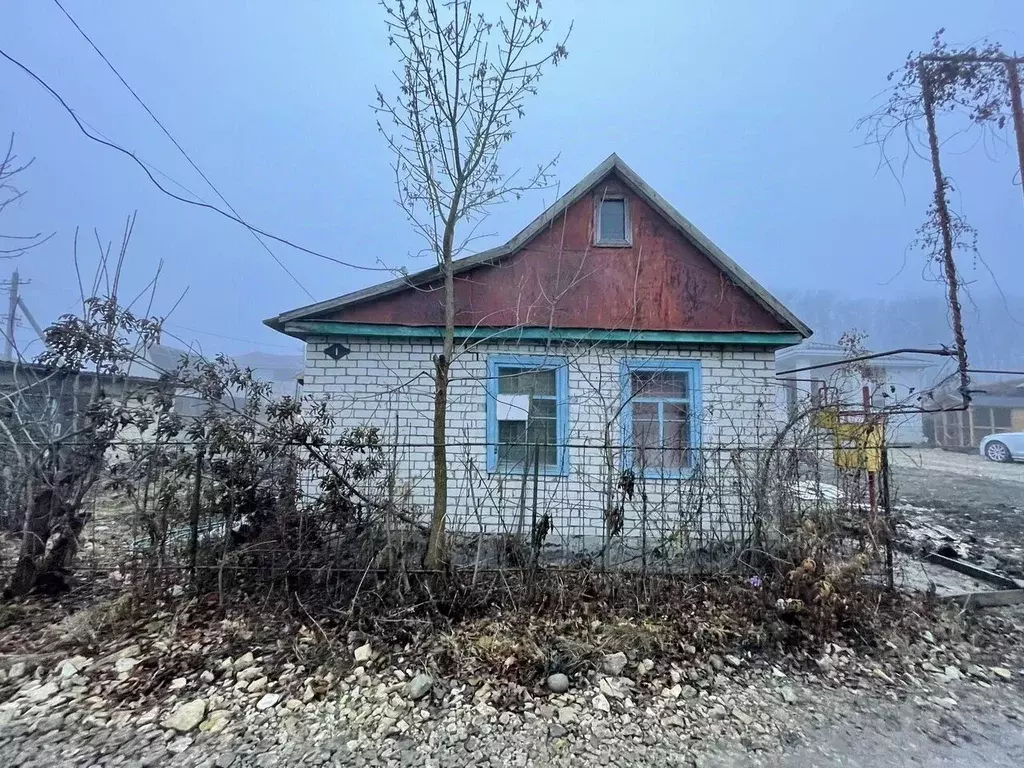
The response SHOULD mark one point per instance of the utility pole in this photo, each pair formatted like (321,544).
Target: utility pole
(12,316)
(1012,65)
(1013,79)
(945,228)
(14,302)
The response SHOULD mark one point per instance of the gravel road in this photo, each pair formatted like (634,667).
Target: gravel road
(880,734)
(950,478)
(980,503)
(740,712)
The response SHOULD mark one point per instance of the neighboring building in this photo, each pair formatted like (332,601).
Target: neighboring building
(282,372)
(609,335)
(158,359)
(897,382)
(996,406)
(35,398)
(44,409)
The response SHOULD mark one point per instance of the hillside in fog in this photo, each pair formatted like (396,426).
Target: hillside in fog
(994,324)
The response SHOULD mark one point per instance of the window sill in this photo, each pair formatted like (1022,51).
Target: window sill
(613,244)
(689,473)
(513,470)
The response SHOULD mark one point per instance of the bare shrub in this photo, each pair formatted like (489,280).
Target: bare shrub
(248,490)
(54,465)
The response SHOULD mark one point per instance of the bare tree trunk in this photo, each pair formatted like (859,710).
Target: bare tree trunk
(54,496)
(442,366)
(435,542)
(34,534)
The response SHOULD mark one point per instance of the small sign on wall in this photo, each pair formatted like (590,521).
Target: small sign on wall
(336,351)
(513,407)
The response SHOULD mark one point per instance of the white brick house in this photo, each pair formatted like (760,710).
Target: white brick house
(612,364)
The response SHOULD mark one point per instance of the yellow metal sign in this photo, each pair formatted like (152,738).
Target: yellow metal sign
(857,446)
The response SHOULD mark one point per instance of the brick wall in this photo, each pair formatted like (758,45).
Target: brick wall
(387,383)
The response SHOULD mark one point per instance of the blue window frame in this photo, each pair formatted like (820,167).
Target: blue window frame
(527,413)
(661,416)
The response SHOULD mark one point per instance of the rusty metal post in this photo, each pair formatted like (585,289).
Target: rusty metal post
(887,510)
(193,543)
(872,495)
(534,538)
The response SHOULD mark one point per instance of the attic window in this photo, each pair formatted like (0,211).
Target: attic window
(612,225)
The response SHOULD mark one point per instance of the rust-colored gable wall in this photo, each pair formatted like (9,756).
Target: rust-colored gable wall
(662,282)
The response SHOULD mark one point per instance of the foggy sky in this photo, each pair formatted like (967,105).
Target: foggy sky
(741,114)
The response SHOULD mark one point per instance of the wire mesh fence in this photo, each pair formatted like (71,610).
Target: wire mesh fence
(340,513)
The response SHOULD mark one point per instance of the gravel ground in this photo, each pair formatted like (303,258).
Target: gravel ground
(976,505)
(957,477)
(822,727)
(163,699)
(986,732)
(940,701)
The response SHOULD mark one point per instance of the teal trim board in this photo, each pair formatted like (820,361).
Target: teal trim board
(304,328)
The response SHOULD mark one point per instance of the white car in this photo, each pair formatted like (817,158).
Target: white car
(1004,446)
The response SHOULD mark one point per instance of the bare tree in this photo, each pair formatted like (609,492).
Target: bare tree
(55,453)
(12,246)
(463,81)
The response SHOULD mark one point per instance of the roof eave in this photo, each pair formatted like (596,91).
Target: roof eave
(305,329)
(380,290)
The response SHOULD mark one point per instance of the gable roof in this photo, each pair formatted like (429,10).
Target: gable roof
(613,164)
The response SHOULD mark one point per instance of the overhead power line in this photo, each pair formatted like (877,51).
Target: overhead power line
(235,338)
(181,149)
(197,203)
(151,167)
